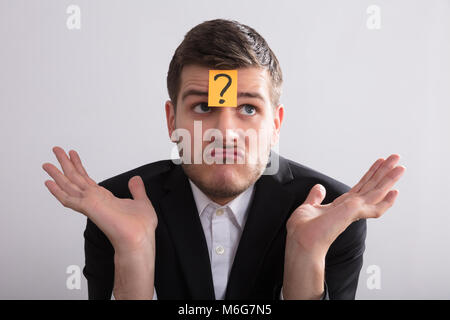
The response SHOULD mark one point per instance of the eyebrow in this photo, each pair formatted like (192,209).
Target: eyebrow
(250,95)
(193,92)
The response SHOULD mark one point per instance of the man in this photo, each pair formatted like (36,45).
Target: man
(223,230)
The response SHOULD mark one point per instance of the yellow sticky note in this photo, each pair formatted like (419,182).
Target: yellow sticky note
(222,91)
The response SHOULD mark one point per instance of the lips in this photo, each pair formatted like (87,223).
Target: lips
(233,153)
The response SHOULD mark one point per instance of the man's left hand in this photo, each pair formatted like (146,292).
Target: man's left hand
(312,227)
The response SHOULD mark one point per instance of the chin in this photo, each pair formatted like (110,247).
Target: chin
(220,180)
(238,173)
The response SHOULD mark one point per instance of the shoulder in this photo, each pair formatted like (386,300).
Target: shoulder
(153,175)
(304,178)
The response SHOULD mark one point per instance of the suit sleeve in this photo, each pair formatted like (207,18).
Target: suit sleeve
(344,261)
(99,263)
(326,295)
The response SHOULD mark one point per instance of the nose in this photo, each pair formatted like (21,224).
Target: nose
(227,124)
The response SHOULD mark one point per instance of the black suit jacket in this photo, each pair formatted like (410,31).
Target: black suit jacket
(182,265)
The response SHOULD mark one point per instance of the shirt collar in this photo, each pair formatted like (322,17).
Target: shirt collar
(238,205)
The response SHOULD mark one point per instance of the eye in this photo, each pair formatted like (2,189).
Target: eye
(202,108)
(248,109)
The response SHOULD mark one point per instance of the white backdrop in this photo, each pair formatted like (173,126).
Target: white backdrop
(363,79)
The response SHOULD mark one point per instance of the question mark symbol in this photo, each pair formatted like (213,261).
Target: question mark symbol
(226,87)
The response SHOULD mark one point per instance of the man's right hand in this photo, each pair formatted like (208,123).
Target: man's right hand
(129,224)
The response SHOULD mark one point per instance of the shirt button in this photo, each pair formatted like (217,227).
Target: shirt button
(220,250)
(219,212)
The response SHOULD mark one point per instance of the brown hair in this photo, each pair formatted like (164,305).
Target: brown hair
(224,44)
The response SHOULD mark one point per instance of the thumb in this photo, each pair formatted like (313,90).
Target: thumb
(316,195)
(137,188)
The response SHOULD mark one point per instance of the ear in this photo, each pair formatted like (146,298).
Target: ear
(170,118)
(277,121)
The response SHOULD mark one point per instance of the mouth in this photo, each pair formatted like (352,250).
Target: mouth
(232,153)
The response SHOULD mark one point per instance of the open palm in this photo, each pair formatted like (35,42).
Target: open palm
(314,227)
(126,222)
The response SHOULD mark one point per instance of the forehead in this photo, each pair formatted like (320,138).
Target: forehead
(253,79)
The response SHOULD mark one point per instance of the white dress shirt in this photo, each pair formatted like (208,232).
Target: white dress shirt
(222,226)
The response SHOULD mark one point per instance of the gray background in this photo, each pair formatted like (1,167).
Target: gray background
(351,95)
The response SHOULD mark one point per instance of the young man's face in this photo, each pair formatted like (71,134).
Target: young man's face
(237,127)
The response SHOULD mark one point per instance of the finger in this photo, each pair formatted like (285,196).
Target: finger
(137,188)
(379,191)
(369,174)
(62,181)
(392,177)
(69,169)
(388,164)
(316,195)
(75,158)
(65,199)
(379,209)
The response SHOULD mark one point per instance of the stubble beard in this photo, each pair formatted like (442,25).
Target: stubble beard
(216,188)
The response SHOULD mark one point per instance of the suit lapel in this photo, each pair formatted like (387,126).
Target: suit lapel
(183,221)
(268,211)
